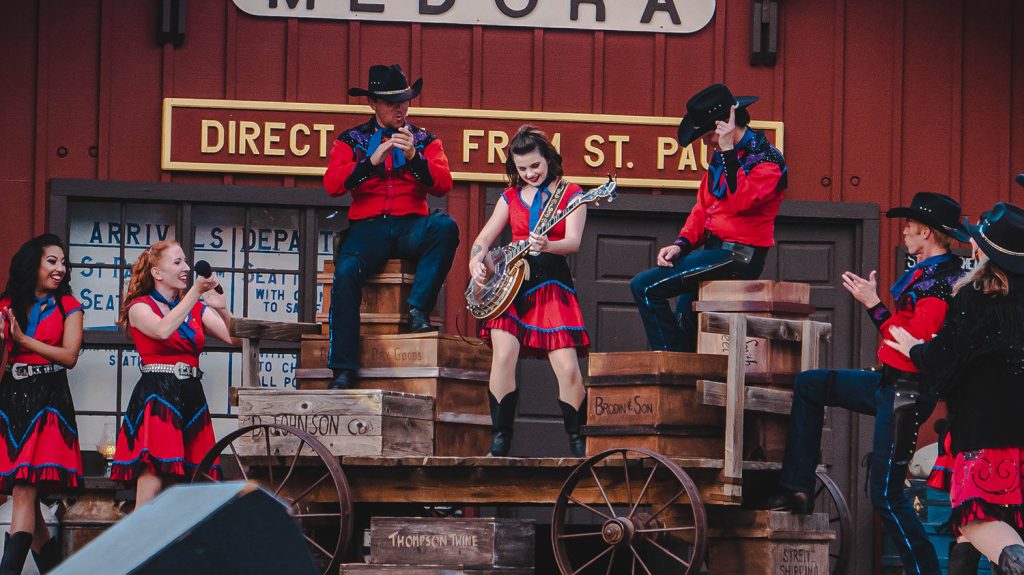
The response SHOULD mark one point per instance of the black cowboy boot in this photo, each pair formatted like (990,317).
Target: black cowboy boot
(574,420)
(789,500)
(1011,560)
(48,557)
(16,548)
(419,321)
(963,559)
(503,417)
(344,379)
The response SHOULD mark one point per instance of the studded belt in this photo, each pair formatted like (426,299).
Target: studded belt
(180,370)
(25,370)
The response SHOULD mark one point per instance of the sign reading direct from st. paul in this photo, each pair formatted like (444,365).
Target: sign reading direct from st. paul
(665,16)
(289,138)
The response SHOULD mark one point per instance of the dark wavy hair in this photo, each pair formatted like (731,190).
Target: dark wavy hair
(23,276)
(526,140)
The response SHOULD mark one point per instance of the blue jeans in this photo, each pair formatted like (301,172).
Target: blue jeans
(867,393)
(653,288)
(430,240)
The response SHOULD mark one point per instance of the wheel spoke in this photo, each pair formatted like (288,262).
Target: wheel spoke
(818,492)
(238,461)
(592,561)
(625,470)
(291,468)
(669,553)
(636,556)
(589,508)
(270,465)
(601,489)
(317,545)
(579,535)
(310,489)
(667,529)
(207,476)
(644,490)
(611,561)
(669,502)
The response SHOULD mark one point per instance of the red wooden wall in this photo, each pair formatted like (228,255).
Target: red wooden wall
(880,98)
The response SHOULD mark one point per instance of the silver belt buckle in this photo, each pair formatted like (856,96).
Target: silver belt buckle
(19,371)
(182,370)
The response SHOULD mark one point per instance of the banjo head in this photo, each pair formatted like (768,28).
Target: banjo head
(488,299)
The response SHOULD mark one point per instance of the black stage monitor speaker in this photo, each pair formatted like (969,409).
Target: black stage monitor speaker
(209,529)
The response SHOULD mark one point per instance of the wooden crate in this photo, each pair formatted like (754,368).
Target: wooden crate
(769,542)
(386,292)
(650,389)
(349,422)
(668,441)
(456,542)
(361,568)
(767,361)
(462,424)
(429,349)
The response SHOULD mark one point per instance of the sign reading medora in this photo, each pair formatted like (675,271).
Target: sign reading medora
(671,16)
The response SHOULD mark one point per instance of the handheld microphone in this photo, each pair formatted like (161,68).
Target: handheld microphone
(202,268)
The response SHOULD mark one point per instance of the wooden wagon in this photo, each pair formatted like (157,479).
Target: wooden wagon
(622,510)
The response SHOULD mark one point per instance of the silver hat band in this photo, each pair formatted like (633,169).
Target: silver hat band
(981,232)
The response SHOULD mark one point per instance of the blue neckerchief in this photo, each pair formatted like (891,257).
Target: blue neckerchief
(716,169)
(397,157)
(185,330)
(41,309)
(539,198)
(908,276)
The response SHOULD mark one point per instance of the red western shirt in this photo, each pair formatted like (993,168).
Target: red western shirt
(754,177)
(175,348)
(385,190)
(921,303)
(47,326)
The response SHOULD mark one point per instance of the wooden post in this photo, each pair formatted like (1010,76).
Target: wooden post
(732,471)
(810,345)
(250,362)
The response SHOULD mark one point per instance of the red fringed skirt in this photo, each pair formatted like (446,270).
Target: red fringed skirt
(166,430)
(37,419)
(986,486)
(546,315)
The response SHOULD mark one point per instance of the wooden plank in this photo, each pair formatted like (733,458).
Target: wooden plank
(631,404)
(419,372)
(455,542)
(777,308)
(646,363)
(732,472)
(755,291)
(272,330)
(668,445)
(398,436)
(729,522)
(769,328)
(272,402)
(361,568)
(761,399)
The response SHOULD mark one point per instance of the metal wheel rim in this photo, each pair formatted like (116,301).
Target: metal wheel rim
(315,447)
(842,521)
(630,457)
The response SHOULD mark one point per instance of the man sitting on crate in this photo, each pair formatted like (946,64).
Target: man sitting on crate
(892,393)
(729,231)
(389,166)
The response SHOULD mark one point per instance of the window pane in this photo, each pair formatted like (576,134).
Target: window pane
(273,239)
(93,381)
(273,296)
(217,371)
(146,224)
(218,235)
(130,362)
(278,370)
(92,427)
(99,290)
(95,235)
(224,426)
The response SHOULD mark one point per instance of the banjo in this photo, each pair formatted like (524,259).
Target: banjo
(507,267)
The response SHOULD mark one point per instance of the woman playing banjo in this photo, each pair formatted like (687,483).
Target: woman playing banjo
(545,317)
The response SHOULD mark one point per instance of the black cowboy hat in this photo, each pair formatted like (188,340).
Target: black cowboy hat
(388,83)
(1000,234)
(1020,179)
(709,106)
(934,210)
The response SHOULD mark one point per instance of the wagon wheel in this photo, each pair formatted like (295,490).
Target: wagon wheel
(621,496)
(327,529)
(838,519)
